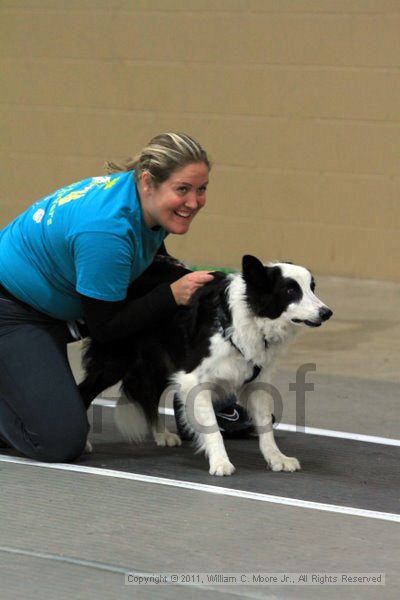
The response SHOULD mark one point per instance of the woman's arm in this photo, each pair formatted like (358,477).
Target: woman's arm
(151,298)
(111,321)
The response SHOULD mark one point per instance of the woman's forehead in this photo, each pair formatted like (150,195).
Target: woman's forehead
(192,171)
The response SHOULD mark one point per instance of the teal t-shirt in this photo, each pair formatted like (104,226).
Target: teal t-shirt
(88,237)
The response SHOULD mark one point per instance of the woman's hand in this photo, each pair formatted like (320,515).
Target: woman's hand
(184,288)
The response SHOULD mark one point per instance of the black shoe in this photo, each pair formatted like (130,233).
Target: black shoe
(233,422)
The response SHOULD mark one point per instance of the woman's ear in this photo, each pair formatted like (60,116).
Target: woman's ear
(145,181)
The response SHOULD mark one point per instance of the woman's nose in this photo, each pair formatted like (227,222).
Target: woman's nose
(192,201)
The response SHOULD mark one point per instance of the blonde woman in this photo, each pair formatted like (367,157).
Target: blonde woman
(71,256)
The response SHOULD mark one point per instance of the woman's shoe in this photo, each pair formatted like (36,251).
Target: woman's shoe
(233,422)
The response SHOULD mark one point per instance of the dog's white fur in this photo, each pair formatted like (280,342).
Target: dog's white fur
(230,367)
(132,423)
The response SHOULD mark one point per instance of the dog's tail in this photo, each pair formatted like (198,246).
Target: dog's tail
(131,419)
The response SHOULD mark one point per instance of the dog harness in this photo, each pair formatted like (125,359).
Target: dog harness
(256,368)
(225,323)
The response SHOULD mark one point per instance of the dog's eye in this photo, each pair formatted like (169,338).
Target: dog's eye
(291,290)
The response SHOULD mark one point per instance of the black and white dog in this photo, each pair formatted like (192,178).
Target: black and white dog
(231,334)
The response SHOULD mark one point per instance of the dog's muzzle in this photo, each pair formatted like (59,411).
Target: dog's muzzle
(324,314)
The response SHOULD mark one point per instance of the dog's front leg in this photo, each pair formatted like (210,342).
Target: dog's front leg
(260,407)
(209,436)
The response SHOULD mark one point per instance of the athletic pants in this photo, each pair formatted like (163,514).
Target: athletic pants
(42,414)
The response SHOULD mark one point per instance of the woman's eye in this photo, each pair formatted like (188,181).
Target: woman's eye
(182,189)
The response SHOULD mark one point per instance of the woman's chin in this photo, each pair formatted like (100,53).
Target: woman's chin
(179,227)
(179,230)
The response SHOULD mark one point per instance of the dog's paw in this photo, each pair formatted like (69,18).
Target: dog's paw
(221,467)
(167,439)
(279,462)
(88,448)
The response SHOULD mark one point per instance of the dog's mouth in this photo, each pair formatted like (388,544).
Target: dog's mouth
(307,322)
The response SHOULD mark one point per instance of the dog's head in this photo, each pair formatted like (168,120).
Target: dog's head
(283,291)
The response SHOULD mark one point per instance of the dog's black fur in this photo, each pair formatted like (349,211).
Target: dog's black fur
(144,362)
(233,330)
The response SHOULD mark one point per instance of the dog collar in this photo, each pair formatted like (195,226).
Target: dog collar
(256,368)
(225,324)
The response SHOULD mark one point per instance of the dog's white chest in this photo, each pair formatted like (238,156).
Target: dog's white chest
(225,365)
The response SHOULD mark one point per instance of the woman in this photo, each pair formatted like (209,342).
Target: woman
(71,256)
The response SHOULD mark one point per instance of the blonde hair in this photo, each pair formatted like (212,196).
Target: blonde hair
(163,155)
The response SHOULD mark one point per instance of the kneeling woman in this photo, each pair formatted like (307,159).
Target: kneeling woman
(71,256)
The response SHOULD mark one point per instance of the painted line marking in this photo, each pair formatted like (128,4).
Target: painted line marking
(358,437)
(211,489)
(80,562)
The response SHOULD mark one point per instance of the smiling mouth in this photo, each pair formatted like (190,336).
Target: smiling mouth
(183,215)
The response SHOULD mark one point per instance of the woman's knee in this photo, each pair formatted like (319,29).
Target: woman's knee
(60,446)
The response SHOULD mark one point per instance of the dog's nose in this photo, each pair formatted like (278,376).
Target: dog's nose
(325,313)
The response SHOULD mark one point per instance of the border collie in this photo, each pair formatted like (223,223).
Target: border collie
(230,334)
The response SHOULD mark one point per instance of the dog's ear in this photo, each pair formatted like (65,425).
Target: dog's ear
(257,275)
(254,272)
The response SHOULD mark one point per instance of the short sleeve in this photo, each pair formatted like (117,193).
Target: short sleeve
(103,264)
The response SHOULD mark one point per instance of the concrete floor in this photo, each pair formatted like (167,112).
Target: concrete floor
(74,534)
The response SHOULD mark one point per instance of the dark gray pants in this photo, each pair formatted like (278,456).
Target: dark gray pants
(42,414)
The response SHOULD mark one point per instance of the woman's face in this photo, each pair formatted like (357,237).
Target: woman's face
(176,202)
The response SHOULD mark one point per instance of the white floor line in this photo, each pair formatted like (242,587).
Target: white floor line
(105,402)
(118,570)
(210,489)
(359,437)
